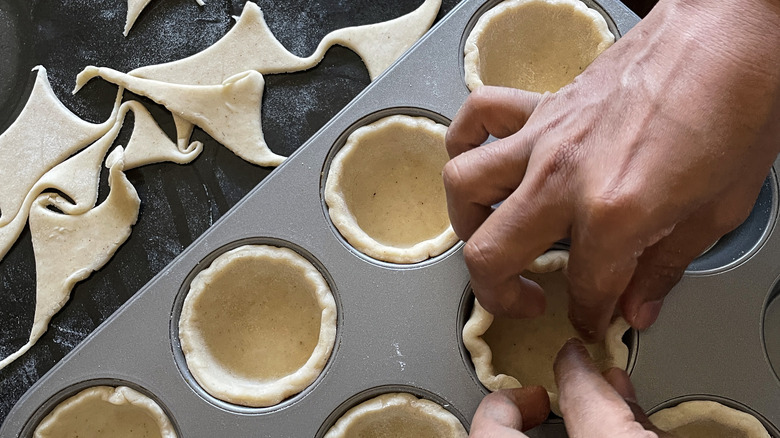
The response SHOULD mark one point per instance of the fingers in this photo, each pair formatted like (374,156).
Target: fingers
(488,110)
(619,380)
(590,405)
(479,178)
(521,229)
(504,413)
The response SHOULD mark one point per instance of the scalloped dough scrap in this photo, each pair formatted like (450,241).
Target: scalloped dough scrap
(69,247)
(378,45)
(397,415)
(708,419)
(510,353)
(534,45)
(258,325)
(105,411)
(385,193)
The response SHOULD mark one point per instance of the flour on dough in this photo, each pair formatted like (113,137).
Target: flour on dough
(230,112)
(510,353)
(397,415)
(105,411)
(45,134)
(258,325)
(534,45)
(385,193)
(134,9)
(378,45)
(708,419)
(69,247)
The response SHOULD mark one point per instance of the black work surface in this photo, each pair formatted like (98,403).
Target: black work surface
(178,202)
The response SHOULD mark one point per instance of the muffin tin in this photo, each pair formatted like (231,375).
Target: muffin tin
(399,325)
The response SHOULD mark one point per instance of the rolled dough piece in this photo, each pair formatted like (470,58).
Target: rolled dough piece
(708,419)
(385,193)
(44,135)
(534,45)
(378,45)
(230,113)
(105,411)
(510,353)
(148,143)
(258,325)
(134,9)
(68,248)
(397,415)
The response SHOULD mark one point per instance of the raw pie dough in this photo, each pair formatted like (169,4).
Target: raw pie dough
(708,419)
(385,192)
(397,415)
(509,353)
(105,411)
(534,45)
(258,325)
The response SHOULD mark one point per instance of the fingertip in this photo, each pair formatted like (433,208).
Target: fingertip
(618,378)
(572,352)
(516,298)
(591,323)
(647,314)
(533,403)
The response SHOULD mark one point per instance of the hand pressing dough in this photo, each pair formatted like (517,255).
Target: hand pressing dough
(708,419)
(258,325)
(230,113)
(385,193)
(397,415)
(378,45)
(510,353)
(104,411)
(44,134)
(69,247)
(534,45)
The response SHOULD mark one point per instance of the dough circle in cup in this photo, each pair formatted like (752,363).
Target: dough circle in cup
(510,353)
(258,325)
(102,411)
(534,45)
(397,415)
(385,193)
(708,419)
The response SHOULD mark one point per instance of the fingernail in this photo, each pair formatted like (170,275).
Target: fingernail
(647,314)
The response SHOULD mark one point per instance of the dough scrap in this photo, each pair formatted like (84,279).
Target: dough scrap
(708,419)
(378,45)
(44,134)
(258,325)
(397,415)
(384,190)
(230,113)
(102,411)
(534,45)
(134,9)
(69,247)
(510,353)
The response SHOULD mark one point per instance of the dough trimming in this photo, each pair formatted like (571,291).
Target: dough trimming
(708,419)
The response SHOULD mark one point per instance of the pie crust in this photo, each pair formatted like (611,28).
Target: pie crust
(534,45)
(385,193)
(708,419)
(397,415)
(106,411)
(510,353)
(258,325)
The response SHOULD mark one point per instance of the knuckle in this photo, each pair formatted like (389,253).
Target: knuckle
(478,257)
(453,176)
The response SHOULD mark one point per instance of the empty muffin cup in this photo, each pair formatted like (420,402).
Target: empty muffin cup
(384,190)
(258,325)
(534,45)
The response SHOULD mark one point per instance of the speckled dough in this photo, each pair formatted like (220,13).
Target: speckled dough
(534,45)
(397,415)
(708,419)
(105,411)
(385,193)
(258,325)
(509,353)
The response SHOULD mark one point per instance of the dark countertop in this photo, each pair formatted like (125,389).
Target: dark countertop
(178,202)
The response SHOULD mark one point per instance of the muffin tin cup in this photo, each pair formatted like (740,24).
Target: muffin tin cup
(398,326)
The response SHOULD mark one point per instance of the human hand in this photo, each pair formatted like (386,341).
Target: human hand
(655,151)
(593,405)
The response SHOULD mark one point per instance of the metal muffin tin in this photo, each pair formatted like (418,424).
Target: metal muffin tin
(399,325)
